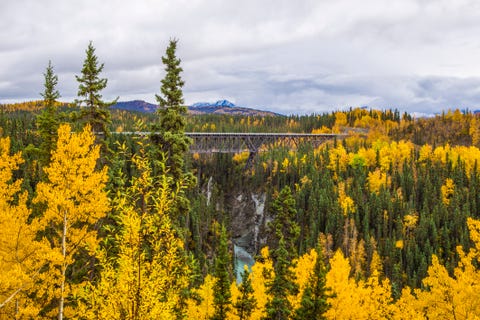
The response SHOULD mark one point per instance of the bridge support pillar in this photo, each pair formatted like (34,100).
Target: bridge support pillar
(251,159)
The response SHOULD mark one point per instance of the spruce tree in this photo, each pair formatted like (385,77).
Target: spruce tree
(169,132)
(281,286)
(285,233)
(314,303)
(222,295)
(284,222)
(48,121)
(171,114)
(246,302)
(95,111)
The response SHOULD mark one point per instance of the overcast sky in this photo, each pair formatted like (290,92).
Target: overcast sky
(294,56)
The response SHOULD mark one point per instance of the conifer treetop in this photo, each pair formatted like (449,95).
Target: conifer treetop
(90,84)
(171,89)
(50,94)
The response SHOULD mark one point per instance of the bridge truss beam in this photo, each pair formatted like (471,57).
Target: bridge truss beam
(233,142)
(215,142)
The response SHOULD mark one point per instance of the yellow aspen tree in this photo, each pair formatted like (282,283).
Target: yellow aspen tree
(303,270)
(344,299)
(367,299)
(149,275)
(425,153)
(21,255)
(75,200)
(346,203)
(262,272)
(447,191)
(407,307)
(439,300)
(236,296)
(340,121)
(376,296)
(394,154)
(474,228)
(470,156)
(474,131)
(202,309)
(378,179)
(338,160)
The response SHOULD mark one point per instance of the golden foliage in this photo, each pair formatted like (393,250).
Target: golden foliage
(303,269)
(426,153)
(28,105)
(378,179)
(75,200)
(262,272)
(202,309)
(370,299)
(141,283)
(474,131)
(338,159)
(474,228)
(393,154)
(241,157)
(22,256)
(451,298)
(321,130)
(447,190)
(346,203)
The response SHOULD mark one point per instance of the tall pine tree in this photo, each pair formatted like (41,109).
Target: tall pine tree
(169,132)
(246,302)
(281,286)
(48,121)
(285,233)
(222,295)
(95,111)
(284,222)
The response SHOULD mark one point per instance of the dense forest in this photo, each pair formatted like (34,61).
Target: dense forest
(381,224)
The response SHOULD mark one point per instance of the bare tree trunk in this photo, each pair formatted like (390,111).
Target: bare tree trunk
(64,266)
(17,291)
(2,304)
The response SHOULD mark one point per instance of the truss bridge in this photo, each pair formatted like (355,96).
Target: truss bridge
(233,142)
(229,142)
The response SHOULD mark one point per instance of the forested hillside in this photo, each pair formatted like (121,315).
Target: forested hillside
(382,224)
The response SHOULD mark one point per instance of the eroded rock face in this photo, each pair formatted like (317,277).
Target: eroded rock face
(247,220)
(242,220)
(246,213)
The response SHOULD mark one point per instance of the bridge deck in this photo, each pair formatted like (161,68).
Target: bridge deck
(232,142)
(237,142)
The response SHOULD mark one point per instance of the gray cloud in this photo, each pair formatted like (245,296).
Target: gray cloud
(287,56)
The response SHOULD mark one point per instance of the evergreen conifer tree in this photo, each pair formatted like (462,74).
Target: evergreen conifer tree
(222,294)
(284,224)
(286,232)
(281,286)
(95,111)
(169,132)
(246,302)
(48,121)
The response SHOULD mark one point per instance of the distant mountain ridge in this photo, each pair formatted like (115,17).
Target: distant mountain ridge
(136,105)
(218,107)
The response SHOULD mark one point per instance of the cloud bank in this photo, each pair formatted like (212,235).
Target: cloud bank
(285,56)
